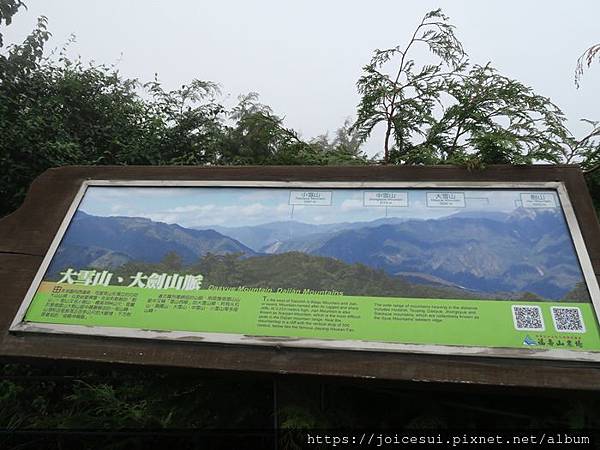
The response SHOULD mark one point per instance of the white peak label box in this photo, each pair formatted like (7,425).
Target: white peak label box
(538,200)
(314,198)
(446,199)
(385,198)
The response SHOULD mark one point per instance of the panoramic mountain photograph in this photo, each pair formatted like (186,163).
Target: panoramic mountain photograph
(500,244)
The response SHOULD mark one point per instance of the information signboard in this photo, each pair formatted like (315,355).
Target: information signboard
(456,268)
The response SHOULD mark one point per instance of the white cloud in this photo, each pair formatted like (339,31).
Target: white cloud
(116,208)
(251,210)
(193,208)
(351,205)
(211,214)
(283,208)
(260,194)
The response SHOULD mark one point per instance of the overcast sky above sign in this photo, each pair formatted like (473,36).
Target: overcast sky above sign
(304,58)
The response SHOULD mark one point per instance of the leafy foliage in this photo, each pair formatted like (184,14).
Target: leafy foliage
(585,61)
(499,120)
(8,8)
(60,111)
(64,112)
(452,112)
(404,101)
(118,398)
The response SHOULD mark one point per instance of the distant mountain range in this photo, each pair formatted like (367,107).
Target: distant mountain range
(524,251)
(109,242)
(266,237)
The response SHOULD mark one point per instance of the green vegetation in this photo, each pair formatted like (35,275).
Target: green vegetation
(489,119)
(56,111)
(297,270)
(579,292)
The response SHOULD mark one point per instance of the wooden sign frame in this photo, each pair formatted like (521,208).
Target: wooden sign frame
(26,235)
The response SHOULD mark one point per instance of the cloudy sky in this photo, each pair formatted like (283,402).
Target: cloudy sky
(304,57)
(206,207)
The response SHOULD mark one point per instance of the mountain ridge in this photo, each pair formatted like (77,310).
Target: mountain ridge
(522,251)
(137,238)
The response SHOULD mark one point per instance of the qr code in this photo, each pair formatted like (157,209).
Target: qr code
(567,319)
(528,318)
